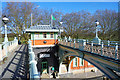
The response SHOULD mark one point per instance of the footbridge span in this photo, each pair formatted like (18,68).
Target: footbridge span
(104,56)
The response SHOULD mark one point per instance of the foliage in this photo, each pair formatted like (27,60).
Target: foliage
(79,24)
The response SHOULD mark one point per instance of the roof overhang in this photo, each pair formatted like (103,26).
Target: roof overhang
(27,30)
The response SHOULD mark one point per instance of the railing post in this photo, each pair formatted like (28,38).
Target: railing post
(108,43)
(5,49)
(116,50)
(84,43)
(102,48)
(1,56)
(70,42)
(79,43)
(74,43)
(66,41)
(91,46)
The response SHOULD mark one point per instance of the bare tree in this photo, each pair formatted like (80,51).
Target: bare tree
(108,22)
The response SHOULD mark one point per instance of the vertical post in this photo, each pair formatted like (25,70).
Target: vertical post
(66,41)
(1,53)
(51,20)
(70,42)
(5,39)
(91,46)
(87,41)
(116,50)
(31,19)
(5,48)
(74,43)
(108,43)
(79,43)
(101,48)
(84,43)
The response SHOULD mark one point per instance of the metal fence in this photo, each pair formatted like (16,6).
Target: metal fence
(109,49)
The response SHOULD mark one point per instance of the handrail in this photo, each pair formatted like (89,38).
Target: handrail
(111,48)
(34,75)
(7,47)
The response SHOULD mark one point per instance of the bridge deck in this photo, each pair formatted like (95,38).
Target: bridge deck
(16,66)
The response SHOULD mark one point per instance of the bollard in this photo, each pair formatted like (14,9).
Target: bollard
(116,49)
(101,48)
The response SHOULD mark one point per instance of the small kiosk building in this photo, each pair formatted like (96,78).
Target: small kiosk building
(44,35)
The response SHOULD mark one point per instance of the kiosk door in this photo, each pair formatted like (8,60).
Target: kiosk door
(44,67)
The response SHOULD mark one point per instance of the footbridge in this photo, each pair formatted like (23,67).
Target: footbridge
(105,56)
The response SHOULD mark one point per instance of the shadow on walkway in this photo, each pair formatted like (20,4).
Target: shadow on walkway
(18,66)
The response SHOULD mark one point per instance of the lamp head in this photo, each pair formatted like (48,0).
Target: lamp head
(61,23)
(5,19)
(96,22)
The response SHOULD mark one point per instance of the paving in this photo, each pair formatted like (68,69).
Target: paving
(16,65)
(98,75)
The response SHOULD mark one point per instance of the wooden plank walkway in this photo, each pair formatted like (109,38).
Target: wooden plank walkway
(16,66)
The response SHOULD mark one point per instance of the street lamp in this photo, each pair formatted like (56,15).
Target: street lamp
(5,20)
(59,30)
(97,23)
(19,42)
(96,39)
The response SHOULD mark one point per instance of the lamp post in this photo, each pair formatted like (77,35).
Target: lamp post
(96,39)
(31,14)
(59,30)
(97,23)
(19,42)
(5,20)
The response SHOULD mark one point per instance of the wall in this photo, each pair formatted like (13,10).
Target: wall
(85,65)
(38,39)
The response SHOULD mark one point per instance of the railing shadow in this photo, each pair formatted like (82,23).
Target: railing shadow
(21,70)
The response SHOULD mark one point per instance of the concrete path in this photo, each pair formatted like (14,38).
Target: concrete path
(98,75)
(16,66)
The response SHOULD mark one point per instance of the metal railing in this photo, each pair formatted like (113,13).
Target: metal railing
(7,47)
(109,49)
(34,75)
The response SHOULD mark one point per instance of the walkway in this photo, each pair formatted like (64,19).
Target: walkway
(16,66)
(98,75)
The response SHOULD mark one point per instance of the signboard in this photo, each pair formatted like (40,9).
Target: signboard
(44,55)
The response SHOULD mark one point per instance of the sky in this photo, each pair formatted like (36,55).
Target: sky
(67,7)
(61,0)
